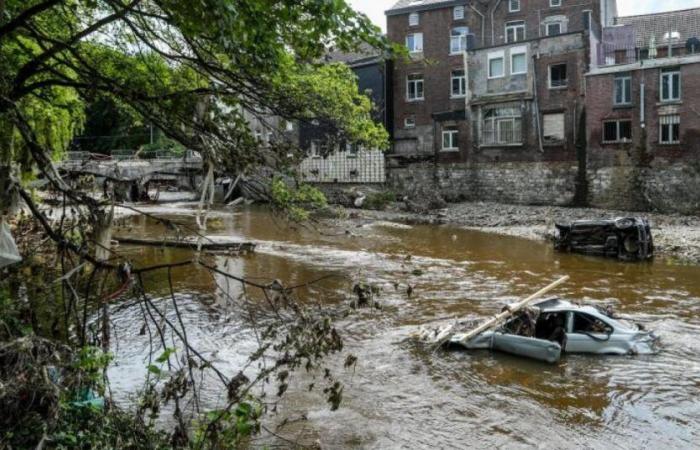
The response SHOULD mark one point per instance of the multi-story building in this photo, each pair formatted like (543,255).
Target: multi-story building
(643,112)
(547,101)
(477,68)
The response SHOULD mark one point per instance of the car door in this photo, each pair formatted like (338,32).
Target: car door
(587,333)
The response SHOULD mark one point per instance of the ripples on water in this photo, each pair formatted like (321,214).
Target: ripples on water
(401,396)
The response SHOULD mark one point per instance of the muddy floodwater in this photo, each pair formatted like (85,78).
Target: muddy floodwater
(401,396)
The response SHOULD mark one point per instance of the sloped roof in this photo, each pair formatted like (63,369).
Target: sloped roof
(686,22)
(405,6)
(362,55)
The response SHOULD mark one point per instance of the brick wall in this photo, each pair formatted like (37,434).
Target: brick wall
(643,173)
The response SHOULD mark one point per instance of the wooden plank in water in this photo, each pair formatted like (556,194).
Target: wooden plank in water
(206,245)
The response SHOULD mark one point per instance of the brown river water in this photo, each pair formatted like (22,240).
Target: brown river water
(402,396)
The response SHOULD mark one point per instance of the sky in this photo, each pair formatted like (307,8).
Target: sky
(375,8)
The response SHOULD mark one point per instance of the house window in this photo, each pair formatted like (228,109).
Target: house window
(587,20)
(617,131)
(496,69)
(623,89)
(557,76)
(458,40)
(514,5)
(554,3)
(518,61)
(553,127)
(458,13)
(450,141)
(413,19)
(554,28)
(670,127)
(515,31)
(315,149)
(414,87)
(351,150)
(414,42)
(409,122)
(502,126)
(670,85)
(459,84)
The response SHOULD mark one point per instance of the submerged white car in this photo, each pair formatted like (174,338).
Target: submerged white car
(556,326)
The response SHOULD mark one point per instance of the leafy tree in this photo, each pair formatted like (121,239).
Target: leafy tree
(191,68)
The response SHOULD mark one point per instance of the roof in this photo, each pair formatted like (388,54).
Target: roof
(364,54)
(686,22)
(406,6)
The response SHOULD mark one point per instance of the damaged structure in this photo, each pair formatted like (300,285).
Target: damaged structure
(545,102)
(330,162)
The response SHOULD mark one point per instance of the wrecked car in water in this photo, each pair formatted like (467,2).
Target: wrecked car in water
(545,331)
(627,239)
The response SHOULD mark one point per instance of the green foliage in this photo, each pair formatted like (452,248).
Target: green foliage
(230,426)
(297,202)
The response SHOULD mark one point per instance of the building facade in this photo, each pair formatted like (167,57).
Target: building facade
(489,102)
(643,116)
(546,102)
(329,162)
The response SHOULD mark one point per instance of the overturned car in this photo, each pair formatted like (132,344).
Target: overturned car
(627,239)
(550,328)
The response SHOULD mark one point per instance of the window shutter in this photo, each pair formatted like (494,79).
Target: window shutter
(554,127)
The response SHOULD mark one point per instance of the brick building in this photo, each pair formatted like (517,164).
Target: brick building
(492,95)
(643,116)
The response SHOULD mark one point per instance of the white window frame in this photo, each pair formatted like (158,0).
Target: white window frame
(669,120)
(458,13)
(462,84)
(409,122)
(625,82)
(670,74)
(496,55)
(549,76)
(450,134)
(617,140)
(417,39)
(545,122)
(554,3)
(518,51)
(497,129)
(415,81)
(515,25)
(413,19)
(461,40)
(512,7)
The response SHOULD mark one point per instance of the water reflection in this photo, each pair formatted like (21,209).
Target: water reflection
(401,396)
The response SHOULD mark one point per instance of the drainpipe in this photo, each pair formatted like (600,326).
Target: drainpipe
(493,30)
(536,104)
(467,91)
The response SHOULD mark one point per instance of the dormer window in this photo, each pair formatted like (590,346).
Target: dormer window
(458,13)
(413,19)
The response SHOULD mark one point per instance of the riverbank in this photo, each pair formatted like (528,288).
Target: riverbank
(675,236)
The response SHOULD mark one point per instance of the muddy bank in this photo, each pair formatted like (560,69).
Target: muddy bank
(675,236)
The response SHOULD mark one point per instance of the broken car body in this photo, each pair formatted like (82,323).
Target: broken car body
(628,239)
(555,326)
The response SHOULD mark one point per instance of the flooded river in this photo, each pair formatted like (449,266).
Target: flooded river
(399,395)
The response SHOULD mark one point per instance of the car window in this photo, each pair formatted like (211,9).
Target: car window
(585,323)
